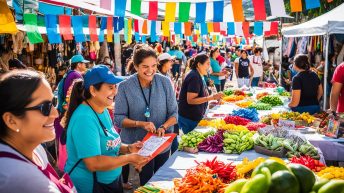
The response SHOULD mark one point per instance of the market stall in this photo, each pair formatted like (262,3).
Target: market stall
(234,133)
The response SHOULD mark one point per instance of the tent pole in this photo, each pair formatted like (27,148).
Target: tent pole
(281,56)
(326,70)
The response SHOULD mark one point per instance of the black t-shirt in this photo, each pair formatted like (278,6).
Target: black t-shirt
(193,83)
(243,68)
(308,82)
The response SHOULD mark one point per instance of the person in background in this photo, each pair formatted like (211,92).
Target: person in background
(222,62)
(16,64)
(337,91)
(306,87)
(95,150)
(216,73)
(194,97)
(27,120)
(244,70)
(257,64)
(146,103)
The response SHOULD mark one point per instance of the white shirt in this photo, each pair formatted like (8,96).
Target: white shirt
(19,176)
(257,64)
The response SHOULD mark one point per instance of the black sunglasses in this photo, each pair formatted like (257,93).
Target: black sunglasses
(45,107)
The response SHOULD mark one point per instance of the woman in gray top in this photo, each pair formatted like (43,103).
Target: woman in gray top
(146,103)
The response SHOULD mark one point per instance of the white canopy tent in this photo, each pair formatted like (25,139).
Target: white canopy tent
(329,23)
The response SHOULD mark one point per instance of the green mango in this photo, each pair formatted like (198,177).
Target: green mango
(284,182)
(319,184)
(304,175)
(272,165)
(257,184)
(334,186)
(236,186)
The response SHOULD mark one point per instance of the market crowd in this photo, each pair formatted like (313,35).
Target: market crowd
(99,118)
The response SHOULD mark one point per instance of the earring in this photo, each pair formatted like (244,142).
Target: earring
(17,130)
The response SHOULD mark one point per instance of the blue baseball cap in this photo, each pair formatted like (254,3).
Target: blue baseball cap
(78,58)
(100,74)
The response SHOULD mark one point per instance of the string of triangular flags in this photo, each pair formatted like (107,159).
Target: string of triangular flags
(69,27)
(277,8)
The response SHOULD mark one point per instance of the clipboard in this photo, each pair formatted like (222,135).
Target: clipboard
(162,147)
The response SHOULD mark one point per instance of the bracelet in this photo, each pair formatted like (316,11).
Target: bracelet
(162,126)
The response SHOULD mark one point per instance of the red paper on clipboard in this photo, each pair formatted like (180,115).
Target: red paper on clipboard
(161,148)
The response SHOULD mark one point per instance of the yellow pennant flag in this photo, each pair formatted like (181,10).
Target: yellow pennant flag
(130,26)
(170,12)
(7,23)
(166,29)
(210,27)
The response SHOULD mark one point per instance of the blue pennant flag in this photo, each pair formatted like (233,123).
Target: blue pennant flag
(120,6)
(230,28)
(137,37)
(218,11)
(258,28)
(153,31)
(77,28)
(103,26)
(143,39)
(311,4)
(178,28)
(120,23)
(51,26)
(204,29)
(115,24)
(200,12)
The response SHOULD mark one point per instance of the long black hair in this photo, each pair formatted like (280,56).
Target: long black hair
(302,62)
(78,95)
(16,89)
(200,58)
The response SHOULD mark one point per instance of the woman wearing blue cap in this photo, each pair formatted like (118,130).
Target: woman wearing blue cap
(145,103)
(94,147)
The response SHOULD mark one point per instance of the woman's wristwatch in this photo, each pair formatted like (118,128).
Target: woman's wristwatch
(162,126)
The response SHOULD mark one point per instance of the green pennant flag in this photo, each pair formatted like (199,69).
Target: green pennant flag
(126,30)
(184,11)
(30,23)
(136,7)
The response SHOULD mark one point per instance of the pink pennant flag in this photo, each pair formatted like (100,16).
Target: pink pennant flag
(238,29)
(136,25)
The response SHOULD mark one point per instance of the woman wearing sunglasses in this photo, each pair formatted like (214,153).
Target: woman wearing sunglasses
(27,120)
(95,151)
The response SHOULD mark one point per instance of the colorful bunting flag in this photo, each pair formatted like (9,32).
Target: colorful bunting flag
(195,38)
(311,4)
(184,11)
(153,10)
(170,12)
(103,25)
(126,29)
(223,28)
(277,8)
(218,11)
(120,23)
(266,26)
(7,23)
(296,5)
(166,28)
(115,24)
(158,27)
(238,10)
(200,12)
(204,29)
(216,27)
(137,37)
(178,28)
(274,28)
(238,29)
(109,29)
(246,28)
(65,27)
(143,39)
(130,26)
(329,1)
(258,28)
(30,24)
(105,4)
(136,7)
(187,28)
(259,10)
(144,27)
(92,24)
(120,6)
(51,26)
(153,31)
(136,25)
(230,28)
(210,27)
(77,28)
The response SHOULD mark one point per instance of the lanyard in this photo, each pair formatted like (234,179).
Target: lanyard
(147,110)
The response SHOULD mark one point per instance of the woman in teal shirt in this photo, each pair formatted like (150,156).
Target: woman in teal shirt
(93,145)
(216,68)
